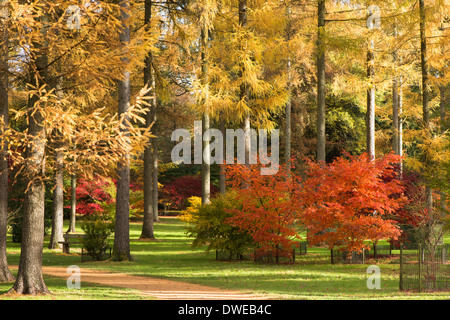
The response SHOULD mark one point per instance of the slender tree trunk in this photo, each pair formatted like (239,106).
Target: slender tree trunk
(155,170)
(222,169)
(425,90)
(289,102)
(244,90)
(370,113)
(149,217)
(206,155)
(443,127)
(321,155)
(442,107)
(397,122)
(73,203)
(5,274)
(57,234)
(122,222)
(206,167)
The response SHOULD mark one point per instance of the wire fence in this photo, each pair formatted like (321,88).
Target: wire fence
(425,268)
(267,258)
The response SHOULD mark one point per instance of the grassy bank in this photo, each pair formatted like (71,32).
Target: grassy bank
(171,257)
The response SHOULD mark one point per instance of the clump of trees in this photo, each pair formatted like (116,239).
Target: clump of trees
(95,89)
(342,205)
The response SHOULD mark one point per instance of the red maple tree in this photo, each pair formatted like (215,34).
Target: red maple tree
(349,201)
(269,212)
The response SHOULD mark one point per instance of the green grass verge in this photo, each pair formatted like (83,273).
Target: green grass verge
(171,257)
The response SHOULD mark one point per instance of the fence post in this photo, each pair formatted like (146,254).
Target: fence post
(401,267)
(420,267)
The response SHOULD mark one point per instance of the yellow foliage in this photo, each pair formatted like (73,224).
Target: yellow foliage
(194,204)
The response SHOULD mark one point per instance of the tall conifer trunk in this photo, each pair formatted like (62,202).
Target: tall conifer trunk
(122,223)
(29,277)
(425,90)
(321,82)
(149,215)
(244,90)
(5,274)
(370,112)
(57,234)
(206,155)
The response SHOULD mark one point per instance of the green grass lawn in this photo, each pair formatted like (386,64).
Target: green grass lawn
(171,257)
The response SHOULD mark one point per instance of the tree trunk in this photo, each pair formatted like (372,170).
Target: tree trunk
(155,169)
(222,169)
(29,277)
(57,234)
(289,102)
(206,154)
(122,222)
(397,122)
(206,167)
(149,216)
(321,155)
(73,203)
(5,274)
(425,90)
(244,90)
(370,113)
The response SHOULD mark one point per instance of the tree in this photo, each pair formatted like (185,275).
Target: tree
(348,201)
(57,233)
(425,88)
(122,228)
(29,277)
(5,274)
(370,113)
(268,211)
(321,82)
(149,162)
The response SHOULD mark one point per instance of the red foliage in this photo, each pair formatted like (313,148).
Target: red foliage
(90,193)
(176,192)
(342,204)
(349,201)
(269,209)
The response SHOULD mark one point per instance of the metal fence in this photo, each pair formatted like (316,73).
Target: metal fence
(425,268)
(269,258)
(346,257)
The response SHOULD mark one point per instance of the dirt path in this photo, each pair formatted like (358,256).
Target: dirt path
(154,287)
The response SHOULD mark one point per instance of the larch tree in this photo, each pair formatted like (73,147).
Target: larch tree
(122,222)
(77,112)
(57,233)
(370,112)
(150,163)
(425,89)
(321,94)
(5,274)
(29,277)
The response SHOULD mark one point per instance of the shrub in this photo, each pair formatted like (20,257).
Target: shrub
(97,229)
(176,193)
(269,211)
(207,225)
